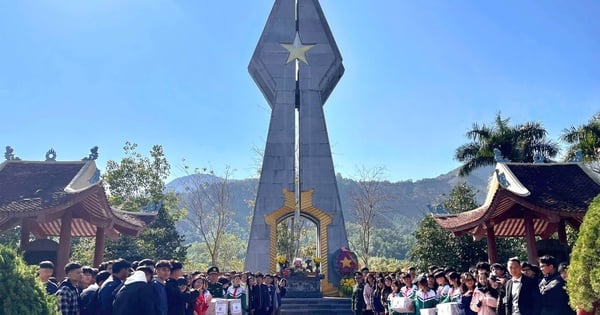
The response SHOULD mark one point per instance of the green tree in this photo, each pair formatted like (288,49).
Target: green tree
(11,238)
(137,183)
(518,143)
(20,290)
(584,271)
(586,138)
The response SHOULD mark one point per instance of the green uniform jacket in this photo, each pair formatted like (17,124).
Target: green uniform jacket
(216,290)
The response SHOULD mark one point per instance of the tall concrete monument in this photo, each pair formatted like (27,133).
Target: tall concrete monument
(296,65)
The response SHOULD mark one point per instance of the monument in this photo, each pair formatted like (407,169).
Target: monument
(296,65)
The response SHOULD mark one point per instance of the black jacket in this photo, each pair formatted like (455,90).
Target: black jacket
(555,300)
(135,298)
(529,298)
(259,297)
(176,300)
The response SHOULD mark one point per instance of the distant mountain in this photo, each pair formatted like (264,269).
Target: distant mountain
(409,198)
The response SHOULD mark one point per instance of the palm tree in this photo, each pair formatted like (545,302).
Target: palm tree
(585,138)
(517,143)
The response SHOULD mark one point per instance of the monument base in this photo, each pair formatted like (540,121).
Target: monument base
(304,286)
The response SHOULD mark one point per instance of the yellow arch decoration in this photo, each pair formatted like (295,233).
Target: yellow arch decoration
(309,209)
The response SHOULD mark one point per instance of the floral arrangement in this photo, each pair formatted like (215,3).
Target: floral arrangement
(346,287)
(281,260)
(317,260)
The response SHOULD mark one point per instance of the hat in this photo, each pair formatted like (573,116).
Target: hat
(213,269)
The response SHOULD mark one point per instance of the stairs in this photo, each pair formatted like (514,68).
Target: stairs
(316,306)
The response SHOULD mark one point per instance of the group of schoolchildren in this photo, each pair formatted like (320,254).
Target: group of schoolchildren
(146,287)
(485,289)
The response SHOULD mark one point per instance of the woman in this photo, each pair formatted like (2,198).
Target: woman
(484,297)
(368,294)
(454,294)
(203,297)
(395,293)
(425,297)
(387,290)
(409,290)
(237,291)
(378,308)
(467,287)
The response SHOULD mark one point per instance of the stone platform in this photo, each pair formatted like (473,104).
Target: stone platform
(316,306)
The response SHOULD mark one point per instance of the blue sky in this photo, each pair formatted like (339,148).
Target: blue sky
(74,74)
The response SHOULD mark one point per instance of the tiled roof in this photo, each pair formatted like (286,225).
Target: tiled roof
(39,192)
(558,190)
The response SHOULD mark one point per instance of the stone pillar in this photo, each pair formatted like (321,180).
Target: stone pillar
(64,245)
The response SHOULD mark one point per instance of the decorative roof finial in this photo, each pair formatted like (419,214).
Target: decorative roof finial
(9,155)
(577,157)
(502,179)
(51,155)
(93,154)
(538,157)
(499,157)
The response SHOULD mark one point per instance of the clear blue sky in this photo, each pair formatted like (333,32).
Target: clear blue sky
(74,74)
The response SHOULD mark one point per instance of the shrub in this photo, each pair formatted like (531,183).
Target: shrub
(20,290)
(583,284)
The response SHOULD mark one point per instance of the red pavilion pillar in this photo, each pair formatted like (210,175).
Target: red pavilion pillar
(25,231)
(530,238)
(99,247)
(562,231)
(64,246)
(491,243)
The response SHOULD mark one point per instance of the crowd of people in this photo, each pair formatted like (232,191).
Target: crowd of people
(147,287)
(519,288)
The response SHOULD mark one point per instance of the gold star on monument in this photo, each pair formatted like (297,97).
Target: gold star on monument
(297,50)
(346,262)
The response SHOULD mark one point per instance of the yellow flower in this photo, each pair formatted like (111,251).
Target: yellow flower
(281,260)
(317,260)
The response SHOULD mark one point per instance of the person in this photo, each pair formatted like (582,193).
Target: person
(467,288)
(203,297)
(176,299)
(378,308)
(45,271)
(425,297)
(409,290)
(442,286)
(279,294)
(260,299)
(521,295)
(387,290)
(271,292)
(454,294)
(563,270)
(136,295)
(214,286)
(394,293)
(162,271)
(358,300)
(68,291)
(110,288)
(554,298)
(365,272)
(484,299)
(87,277)
(89,296)
(237,291)
(368,294)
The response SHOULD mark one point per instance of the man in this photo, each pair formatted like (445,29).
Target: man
(259,297)
(176,299)
(68,293)
(108,291)
(45,272)
(521,295)
(89,296)
(136,295)
(365,272)
(358,300)
(87,277)
(271,293)
(162,271)
(555,300)
(214,286)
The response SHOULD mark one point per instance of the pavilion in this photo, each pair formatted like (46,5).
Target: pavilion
(40,196)
(528,200)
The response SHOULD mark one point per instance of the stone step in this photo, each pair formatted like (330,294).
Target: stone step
(316,306)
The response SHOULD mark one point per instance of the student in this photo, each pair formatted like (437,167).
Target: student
(237,291)
(467,288)
(68,291)
(484,299)
(454,294)
(425,297)
(45,271)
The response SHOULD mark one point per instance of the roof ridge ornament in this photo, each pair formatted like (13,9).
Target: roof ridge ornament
(51,155)
(499,157)
(93,154)
(577,156)
(9,154)
(502,179)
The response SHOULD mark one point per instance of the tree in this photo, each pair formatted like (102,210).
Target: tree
(586,138)
(208,203)
(368,207)
(584,271)
(137,183)
(20,290)
(518,143)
